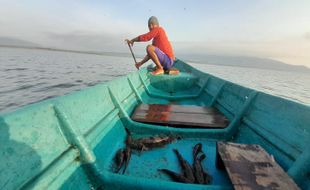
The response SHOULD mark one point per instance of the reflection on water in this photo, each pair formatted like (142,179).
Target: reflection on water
(29,76)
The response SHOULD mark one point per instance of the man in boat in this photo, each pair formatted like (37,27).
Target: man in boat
(160,51)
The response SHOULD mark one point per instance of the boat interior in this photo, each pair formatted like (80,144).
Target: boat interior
(69,142)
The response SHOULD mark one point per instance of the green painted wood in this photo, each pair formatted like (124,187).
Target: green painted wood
(135,90)
(69,142)
(217,94)
(166,94)
(74,137)
(233,126)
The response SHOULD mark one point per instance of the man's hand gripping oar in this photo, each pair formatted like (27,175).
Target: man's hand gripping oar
(130,43)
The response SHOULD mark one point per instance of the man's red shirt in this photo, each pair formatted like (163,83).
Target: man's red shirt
(160,40)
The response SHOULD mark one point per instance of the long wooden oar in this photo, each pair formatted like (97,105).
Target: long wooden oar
(134,58)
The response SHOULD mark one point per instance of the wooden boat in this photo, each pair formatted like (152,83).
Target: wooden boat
(69,142)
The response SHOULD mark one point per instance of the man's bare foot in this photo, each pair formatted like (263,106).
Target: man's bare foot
(158,72)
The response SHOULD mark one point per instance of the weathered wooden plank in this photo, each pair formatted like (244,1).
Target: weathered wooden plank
(182,119)
(251,167)
(180,116)
(178,108)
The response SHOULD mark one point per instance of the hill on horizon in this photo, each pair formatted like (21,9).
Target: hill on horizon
(244,61)
(9,41)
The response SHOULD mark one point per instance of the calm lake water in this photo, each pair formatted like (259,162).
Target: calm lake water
(29,76)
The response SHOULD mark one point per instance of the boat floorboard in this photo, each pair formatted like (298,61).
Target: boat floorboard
(180,116)
(251,167)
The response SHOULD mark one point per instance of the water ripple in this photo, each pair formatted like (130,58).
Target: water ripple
(57,86)
(62,85)
(16,69)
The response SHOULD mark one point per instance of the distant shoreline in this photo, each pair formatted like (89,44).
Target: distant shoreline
(69,51)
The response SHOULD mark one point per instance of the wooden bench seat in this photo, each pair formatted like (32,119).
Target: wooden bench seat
(251,167)
(180,116)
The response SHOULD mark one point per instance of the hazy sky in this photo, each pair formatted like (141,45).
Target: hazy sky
(277,29)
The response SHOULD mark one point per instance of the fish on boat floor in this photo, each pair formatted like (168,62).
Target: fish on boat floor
(146,164)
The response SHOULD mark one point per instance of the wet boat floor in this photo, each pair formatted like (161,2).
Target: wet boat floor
(147,163)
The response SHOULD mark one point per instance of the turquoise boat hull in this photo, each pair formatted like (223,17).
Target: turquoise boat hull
(69,142)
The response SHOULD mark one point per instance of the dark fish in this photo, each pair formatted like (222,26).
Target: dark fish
(137,146)
(129,137)
(197,149)
(147,142)
(202,177)
(119,159)
(198,170)
(186,167)
(175,176)
(155,142)
(207,178)
(127,156)
(134,144)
